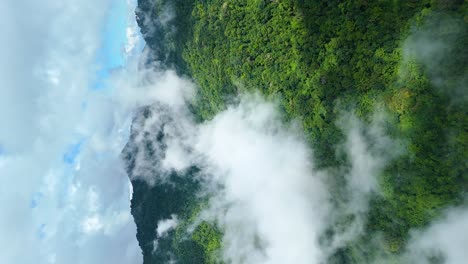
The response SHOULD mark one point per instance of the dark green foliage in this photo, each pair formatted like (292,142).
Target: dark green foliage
(314,54)
(152,204)
(325,57)
(308,53)
(170,193)
(165,26)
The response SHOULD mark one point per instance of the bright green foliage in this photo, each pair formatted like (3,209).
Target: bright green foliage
(310,54)
(209,237)
(205,238)
(324,57)
(317,54)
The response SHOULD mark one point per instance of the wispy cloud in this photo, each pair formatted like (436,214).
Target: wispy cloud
(445,239)
(438,44)
(65,202)
(267,197)
(272,205)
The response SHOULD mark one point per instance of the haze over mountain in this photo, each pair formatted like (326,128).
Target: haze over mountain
(189,131)
(319,132)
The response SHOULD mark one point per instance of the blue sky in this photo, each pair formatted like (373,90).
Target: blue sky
(111,53)
(114,36)
(60,153)
(109,56)
(73,151)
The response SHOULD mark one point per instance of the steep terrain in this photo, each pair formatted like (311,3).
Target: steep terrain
(320,58)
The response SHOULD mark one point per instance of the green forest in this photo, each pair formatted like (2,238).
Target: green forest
(320,59)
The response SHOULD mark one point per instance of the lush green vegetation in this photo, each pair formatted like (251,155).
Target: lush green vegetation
(171,193)
(324,57)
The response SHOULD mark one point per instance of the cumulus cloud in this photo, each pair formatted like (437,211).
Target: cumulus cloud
(61,150)
(64,204)
(272,205)
(268,199)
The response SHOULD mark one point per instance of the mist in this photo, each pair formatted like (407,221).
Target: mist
(265,194)
(62,141)
(438,44)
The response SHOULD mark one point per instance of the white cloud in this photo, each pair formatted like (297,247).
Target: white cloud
(92,224)
(47,67)
(437,44)
(166,225)
(273,205)
(445,238)
(135,41)
(132,39)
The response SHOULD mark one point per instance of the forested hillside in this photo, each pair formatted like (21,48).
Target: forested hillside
(407,59)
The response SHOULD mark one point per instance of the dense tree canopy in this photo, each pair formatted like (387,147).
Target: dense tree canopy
(321,58)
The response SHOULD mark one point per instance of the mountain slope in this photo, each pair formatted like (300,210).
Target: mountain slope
(322,58)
